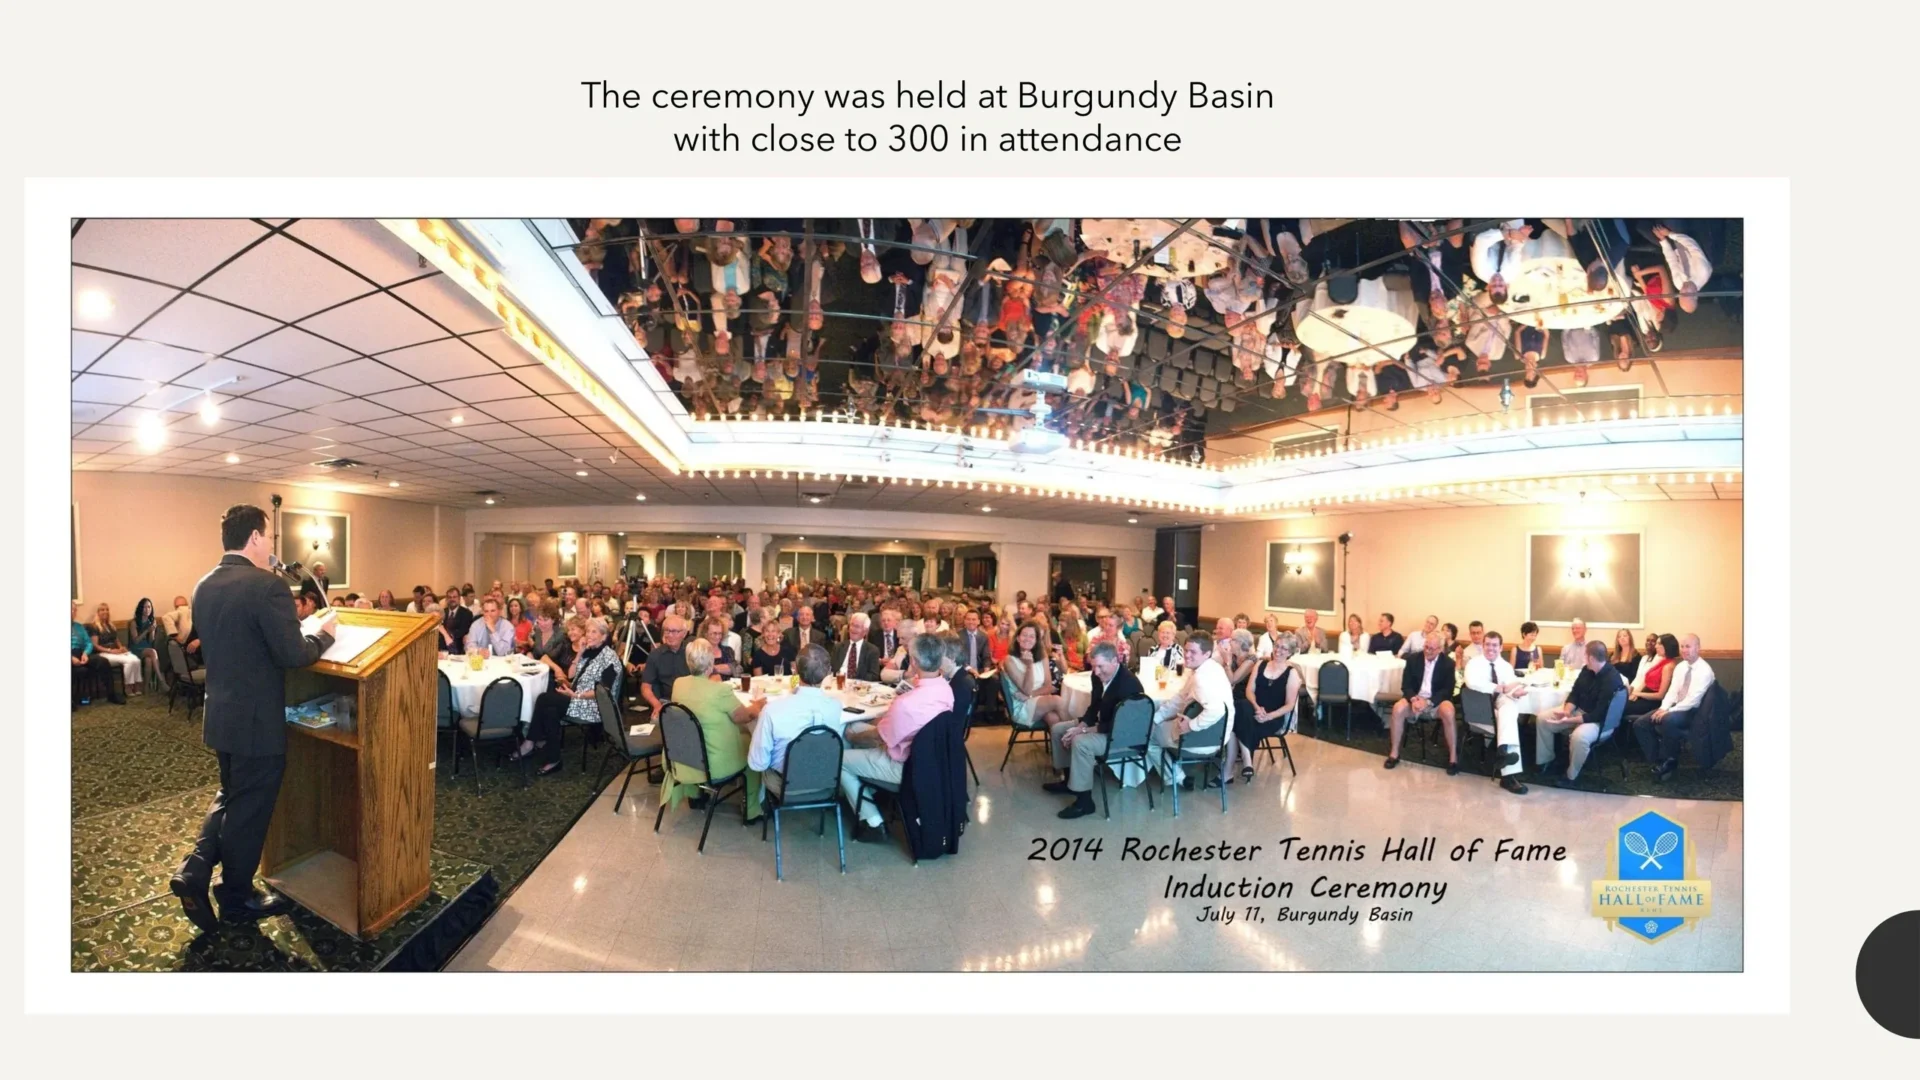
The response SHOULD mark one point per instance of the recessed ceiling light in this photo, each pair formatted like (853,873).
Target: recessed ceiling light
(456,418)
(803,538)
(94,304)
(986,509)
(639,498)
(393,483)
(489,502)
(150,434)
(1133,521)
(813,498)
(209,412)
(619,534)
(579,472)
(716,536)
(233,459)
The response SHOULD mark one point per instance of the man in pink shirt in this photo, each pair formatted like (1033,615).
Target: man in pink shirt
(880,753)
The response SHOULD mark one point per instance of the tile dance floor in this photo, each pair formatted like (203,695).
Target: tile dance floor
(613,896)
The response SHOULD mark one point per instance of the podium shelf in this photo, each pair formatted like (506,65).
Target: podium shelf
(326,883)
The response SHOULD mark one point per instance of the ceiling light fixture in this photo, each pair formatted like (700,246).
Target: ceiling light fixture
(986,509)
(639,498)
(1133,521)
(233,459)
(489,502)
(209,412)
(150,433)
(93,304)
(579,472)
(393,483)
(456,418)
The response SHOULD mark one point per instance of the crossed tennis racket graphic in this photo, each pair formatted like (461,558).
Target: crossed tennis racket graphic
(1637,844)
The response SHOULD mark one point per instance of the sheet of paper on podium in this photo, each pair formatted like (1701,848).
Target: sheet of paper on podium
(348,641)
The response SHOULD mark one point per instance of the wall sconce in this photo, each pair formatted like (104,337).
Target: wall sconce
(317,533)
(1582,568)
(1296,562)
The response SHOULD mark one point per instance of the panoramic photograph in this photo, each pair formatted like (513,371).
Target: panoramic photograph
(1167,594)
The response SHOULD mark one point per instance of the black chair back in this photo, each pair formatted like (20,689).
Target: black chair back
(500,707)
(1132,726)
(610,721)
(1335,681)
(812,771)
(1207,740)
(445,714)
(177,658)
(1478,707)
(681,734)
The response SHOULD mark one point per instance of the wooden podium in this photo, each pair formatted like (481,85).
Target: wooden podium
(351,830)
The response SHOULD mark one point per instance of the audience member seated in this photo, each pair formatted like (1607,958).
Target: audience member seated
(803,631)
(857,658)
(976,654)
(1165,653)
(1355,640)
(1527,655)
(91,671)
(1574,655)
(549,643)
(1273,696)
(107,643)
(1385,638)
(665,664)
(144,636)
(1077,743)
(1416,642)
(1426,687)
(491,633)
(456,620)
(880,752)
(1650,682)
(714,631)
(1580,715)
(1490,674)
(714,706)
(516,618)
(1623,657)
(1031,700)
(570,699)
(178,625)
(999,633)
(776,722)
(1660,732)
(1207,686)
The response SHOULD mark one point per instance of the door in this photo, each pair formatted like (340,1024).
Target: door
(1176,571)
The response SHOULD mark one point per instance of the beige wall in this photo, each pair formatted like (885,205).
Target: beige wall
(1472,564)
(155,536)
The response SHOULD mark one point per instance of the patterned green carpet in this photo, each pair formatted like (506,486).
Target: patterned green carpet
(141,784)
(1723,782)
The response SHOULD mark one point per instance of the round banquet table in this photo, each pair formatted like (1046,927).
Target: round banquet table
(1384,312)
(1544,694)
(469,685)
(1125,239)
(1368,674)
(869,700)
(1546,275)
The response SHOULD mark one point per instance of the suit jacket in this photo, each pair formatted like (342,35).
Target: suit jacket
(867,668)
(1107,699)
(249,636)
(1442,688)
(1311,642)
(964,686)
(984,651)
(791,639)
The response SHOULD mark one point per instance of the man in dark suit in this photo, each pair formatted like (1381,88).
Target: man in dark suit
(1076,743)
(249,636)
(1425,689)
(803,632)
(857,658)
(975,655)
(964,685)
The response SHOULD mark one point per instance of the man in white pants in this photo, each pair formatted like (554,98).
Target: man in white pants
(1488,673)
(880,753)
(1207,684)
(1580,715)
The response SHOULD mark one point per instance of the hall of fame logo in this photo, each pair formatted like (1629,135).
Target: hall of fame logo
(1652,890)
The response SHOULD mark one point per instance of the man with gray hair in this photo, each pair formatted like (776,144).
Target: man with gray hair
(1666,726)
(666,663)
(857,658)
(1078,743)
(1574,656)
(880,752)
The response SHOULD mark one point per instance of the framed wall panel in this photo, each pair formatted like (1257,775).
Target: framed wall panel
(1300,575)
(1592,575)
(319,536)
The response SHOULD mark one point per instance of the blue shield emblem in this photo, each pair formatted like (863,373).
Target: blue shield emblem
(1651,847)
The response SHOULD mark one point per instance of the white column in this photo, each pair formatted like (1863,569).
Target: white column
(753,565)
(1002,591)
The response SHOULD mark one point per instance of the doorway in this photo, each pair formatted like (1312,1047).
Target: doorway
(1176,571)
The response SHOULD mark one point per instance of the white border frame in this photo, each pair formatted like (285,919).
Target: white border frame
(1639,532)
(1266,592)
(50,206)
(346,570)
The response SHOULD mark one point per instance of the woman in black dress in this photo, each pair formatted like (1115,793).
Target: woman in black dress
(770,655)
(1274,694)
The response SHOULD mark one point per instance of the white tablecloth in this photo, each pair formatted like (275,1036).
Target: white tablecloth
(870,699)
(469,685)
(1076,693)
(1385,313)
(1543,693)
(1546,275)
(1125,239)
(1368,674)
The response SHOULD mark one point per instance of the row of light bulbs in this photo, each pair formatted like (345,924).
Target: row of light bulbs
(1580,483)
(984,487)
(976,431)
(1454,429)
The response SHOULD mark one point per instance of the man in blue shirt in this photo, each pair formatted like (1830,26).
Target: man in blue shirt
(1385,638)
(781,720)
(491,633)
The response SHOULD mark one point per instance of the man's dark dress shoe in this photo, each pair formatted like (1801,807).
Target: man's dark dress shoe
(261,905)
(194,901)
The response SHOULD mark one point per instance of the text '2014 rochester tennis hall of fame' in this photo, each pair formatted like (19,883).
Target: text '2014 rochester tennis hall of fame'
(1298,882)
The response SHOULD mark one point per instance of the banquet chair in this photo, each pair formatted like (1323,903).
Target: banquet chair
(1126,745)
(684,744)
(1279,738)
(1335,686)
(188,681)
(1476,713)
(1205,749)
(635,750)
(870,787)
(1034,732)
(1609,729)
(445,715)
(499,720)
(809,780)
(966,732)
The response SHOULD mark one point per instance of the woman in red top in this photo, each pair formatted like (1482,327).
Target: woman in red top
(522,626)
(1651,686)
(997,641)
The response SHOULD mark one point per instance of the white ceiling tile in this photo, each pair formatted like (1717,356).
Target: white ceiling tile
(541,381)
(361,377)
(598,422)
(285,280)
(437,438)
(109,388)
(298,420)
(249,411)
(401,425)
(417,399)
(354,411)
(519,445)
(130,301)
(87,412)
(555,426)
(217,442)
(195,322)
(178,252)
(587,441)
(138,359)
(489,433)
(523,408)
(448,304)
(502,349)
(438,361)
(293,351)
(365,245)
(297,394)
(374,324)
(230,377)
(87,347)
(485,388)
(389,444)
